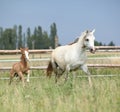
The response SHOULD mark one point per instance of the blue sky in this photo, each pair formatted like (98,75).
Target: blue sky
(71,17)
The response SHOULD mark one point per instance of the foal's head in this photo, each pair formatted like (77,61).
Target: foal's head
(89,40)
(25,53)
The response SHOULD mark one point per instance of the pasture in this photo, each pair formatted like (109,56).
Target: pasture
(43,95)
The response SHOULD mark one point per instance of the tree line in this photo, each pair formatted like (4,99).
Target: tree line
(111,43)
(14,38)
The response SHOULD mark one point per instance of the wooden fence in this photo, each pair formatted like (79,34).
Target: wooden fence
(98,49)
(89,65)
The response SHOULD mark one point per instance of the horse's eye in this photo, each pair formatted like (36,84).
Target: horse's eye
(87,39)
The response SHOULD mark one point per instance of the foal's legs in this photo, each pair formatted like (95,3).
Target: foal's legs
(28,76)
(21,77)
(11,76)
(85,69)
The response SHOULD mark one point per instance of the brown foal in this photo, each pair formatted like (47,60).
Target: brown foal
(22,67)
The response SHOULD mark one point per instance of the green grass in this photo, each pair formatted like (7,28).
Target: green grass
(43,95)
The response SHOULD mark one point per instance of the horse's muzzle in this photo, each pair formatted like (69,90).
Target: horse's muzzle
(92,50)
(27,59)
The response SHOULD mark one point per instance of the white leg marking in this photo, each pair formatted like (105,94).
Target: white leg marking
(28,76)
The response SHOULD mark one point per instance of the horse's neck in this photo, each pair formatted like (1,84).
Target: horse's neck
(80,44)
(23,61)
(81,39)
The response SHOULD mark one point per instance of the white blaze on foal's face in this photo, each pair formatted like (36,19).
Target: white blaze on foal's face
(27,55)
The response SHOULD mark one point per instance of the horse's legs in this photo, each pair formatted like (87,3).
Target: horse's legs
(28,76)
(85,69)
(58,73)
(66,76)
(56,77)
(21,77)
(67,71)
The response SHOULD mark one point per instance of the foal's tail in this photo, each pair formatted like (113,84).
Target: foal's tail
(49,69)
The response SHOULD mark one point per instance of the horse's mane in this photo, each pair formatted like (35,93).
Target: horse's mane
(82,35)
(75,41)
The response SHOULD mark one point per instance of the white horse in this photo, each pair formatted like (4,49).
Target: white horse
(71,57)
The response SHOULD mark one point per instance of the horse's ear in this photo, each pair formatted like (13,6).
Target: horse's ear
(93,31)
(87,31)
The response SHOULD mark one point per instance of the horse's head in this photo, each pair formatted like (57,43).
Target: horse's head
(25,53)
(89,40)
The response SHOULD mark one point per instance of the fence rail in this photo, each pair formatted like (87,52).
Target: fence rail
(89,65)
(98,48)
(48,59)
(30,51)
(42,51)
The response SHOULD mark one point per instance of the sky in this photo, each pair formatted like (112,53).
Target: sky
(71,17)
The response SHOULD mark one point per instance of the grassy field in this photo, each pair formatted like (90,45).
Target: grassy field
(43,95)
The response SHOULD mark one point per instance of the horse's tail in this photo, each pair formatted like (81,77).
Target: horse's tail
(49,69)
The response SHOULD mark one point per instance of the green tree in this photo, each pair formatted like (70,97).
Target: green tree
(111,43)
(24,41)
(39,31)
(53,33)
(98,43)
(19,36)
(39,38)
(29,40)
(34,39)
(1,37)
(15,35)
(9,39)
(46,41)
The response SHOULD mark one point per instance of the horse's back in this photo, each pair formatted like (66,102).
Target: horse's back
(62,50)
(65,52)
(69,55)
(61,55)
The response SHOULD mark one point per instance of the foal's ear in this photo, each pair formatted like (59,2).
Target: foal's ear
(26,49)
(21,49)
